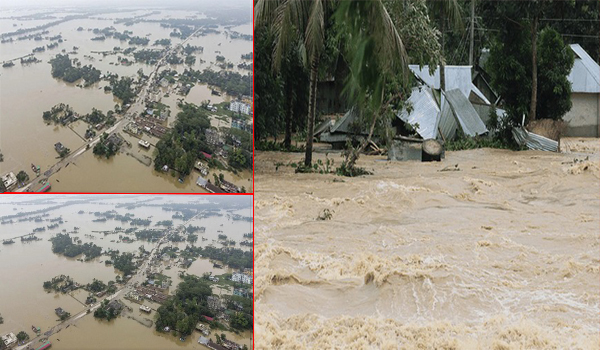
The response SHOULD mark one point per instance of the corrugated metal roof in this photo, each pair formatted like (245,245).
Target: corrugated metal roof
(585,75)
(447,123)
(425,112)
(323,126)
(343,124)
(534,141)
(465,114)
(457,77)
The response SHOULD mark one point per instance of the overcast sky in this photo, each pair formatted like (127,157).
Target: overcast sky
(123,3)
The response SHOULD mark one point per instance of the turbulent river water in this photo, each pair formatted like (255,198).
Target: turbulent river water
(500,252)
(26,91)
(25,266)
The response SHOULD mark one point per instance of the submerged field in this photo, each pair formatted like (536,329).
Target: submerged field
(29,89)
(26,265)
(501,252)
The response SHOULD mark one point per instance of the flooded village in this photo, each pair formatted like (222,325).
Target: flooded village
(108,271)
(90,94)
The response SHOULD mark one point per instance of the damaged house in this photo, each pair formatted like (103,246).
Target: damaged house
(433,115)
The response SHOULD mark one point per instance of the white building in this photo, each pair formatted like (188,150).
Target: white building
(240,277)
(240,107)
(9,180)
(583,118)
(9,340)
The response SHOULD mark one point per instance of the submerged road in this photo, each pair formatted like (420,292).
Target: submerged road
(137,278)
(136,107)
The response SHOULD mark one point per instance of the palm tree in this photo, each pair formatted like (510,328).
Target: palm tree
(378,64)
(303,20)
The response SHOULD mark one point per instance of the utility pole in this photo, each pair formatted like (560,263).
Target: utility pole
(472,32)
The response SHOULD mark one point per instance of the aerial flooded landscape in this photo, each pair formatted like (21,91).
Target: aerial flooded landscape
(126,271)
(126,99)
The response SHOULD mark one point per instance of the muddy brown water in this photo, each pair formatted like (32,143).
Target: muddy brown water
(25,266)
(27,91)
(501,254)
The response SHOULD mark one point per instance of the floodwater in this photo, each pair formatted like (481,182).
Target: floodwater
(26,91)
(501,253)
(25,266)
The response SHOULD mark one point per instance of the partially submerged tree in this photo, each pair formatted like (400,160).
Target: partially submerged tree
(379,81)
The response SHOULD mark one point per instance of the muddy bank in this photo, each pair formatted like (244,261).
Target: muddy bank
(502,253)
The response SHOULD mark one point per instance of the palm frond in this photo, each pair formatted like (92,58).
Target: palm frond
(264,11)
(289,16)
(315,29)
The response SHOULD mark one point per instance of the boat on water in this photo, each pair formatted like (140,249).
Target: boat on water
(35,169)
(9,241)
(45,188)
(45,346)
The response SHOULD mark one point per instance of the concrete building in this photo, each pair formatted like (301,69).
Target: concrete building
(584,117)
(9,340)
(240,107)
(240,277)
(9,180)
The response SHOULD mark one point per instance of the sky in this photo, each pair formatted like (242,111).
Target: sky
(122,3)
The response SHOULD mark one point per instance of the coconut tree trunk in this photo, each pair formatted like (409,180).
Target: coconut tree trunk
(534,80)
(289,112)
(311,111)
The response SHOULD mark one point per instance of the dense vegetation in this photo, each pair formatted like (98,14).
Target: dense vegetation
(104,312)
(21,336)
(97,117)
(181,146)
(63,69)
(149,235)
(104,148)
(183,311)
(140,222)
(233,257)
(63,244)
(162,42)
(136,40)
(121,88)
(188,49)
(167,223)
(147,56)
(123,262)
(233,83)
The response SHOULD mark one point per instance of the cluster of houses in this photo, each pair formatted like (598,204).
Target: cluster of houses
(147,125)
(161,116)
(226,344)
(152,293)
(224,186)
(465,105)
